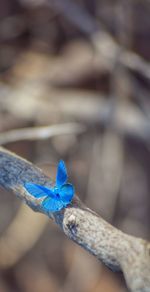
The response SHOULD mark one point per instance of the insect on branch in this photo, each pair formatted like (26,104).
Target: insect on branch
(114,248)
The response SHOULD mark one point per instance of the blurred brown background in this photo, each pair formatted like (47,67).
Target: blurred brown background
(83,61)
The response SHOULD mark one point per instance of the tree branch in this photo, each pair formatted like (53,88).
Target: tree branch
(114,248)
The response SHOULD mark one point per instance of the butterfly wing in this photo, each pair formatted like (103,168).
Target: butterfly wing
(61,176)
(52,205)
(38,191)
(66,193)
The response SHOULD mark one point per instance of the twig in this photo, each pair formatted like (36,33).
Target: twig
(106,168)
(41,133)
(128,119)
(116,249)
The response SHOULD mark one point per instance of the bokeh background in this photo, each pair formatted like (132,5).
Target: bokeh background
(84,62)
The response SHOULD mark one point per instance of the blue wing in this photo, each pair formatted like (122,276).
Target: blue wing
(38,191)
(66,193)
(52,205)
(61,176)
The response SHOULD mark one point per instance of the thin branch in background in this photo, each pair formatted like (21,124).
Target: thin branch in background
(114,248)
(105,170)
(104,44)
(102,41)
(76,14)
(90,276)
(128,119)
(41,133)
(22,233)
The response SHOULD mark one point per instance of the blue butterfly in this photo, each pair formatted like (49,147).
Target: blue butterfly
(59,196)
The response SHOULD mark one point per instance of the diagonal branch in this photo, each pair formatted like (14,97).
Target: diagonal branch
(114,248)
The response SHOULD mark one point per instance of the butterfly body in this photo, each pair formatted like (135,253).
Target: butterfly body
(56,192)
(57,197)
